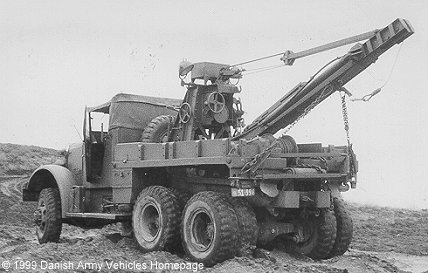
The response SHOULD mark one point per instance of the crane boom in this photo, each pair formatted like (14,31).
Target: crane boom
(289,56)
(331,78)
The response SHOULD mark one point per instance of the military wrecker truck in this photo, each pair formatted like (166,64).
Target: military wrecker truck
(189,173)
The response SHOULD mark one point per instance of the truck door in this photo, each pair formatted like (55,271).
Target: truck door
(93,146)
(87,144)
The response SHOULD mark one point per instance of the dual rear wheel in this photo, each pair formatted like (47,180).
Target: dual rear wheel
(209,228)
(318,234)
(212,228)
(328,234)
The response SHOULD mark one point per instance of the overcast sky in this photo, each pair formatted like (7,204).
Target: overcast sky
(58,56)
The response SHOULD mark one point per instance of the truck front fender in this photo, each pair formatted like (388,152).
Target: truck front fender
(50,176)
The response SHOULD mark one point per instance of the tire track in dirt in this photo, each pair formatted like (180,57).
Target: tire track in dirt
(16,239)
(11,186)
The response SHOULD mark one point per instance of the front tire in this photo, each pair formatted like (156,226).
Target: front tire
(48,216)
(209,228)
(156,219)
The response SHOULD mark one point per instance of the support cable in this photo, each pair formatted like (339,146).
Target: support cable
(368,97)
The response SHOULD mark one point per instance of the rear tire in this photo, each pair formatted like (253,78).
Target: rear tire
(182,196)
(209,228)
(157,130)
(344,228)
(247,226)
(48,216)
(319,236)
(156,219)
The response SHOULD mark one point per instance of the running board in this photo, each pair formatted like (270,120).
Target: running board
(109,216)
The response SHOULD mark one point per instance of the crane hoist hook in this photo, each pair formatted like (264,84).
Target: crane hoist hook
(368,97)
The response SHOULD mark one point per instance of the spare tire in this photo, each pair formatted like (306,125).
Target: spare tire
(157,131)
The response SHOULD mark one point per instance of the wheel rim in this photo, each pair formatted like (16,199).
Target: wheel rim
(40,216)
(202,230)
(150,222)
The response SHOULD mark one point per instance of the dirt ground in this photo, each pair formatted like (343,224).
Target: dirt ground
(385,240)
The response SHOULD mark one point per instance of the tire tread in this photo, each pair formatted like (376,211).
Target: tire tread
(247,224)
(344,228)
(171,215)
(54,221)
(149,134)
(326,236)
(228,226)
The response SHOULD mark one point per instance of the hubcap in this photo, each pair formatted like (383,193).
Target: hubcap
(150,222)
(203,231)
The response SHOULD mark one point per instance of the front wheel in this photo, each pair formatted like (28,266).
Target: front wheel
(209,228)
(48,216)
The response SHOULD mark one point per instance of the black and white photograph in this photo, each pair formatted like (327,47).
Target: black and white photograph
(214,136)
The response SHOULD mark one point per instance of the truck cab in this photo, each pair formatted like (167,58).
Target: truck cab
(86,183)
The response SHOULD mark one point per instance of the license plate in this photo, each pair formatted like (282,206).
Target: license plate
(243,192)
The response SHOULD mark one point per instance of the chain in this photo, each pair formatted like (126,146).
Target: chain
(307,110)
(319,169)
(348,137)
(345,118)
(253,165)
(258,159)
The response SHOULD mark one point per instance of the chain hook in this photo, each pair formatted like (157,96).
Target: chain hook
(368,97)
(350,152)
